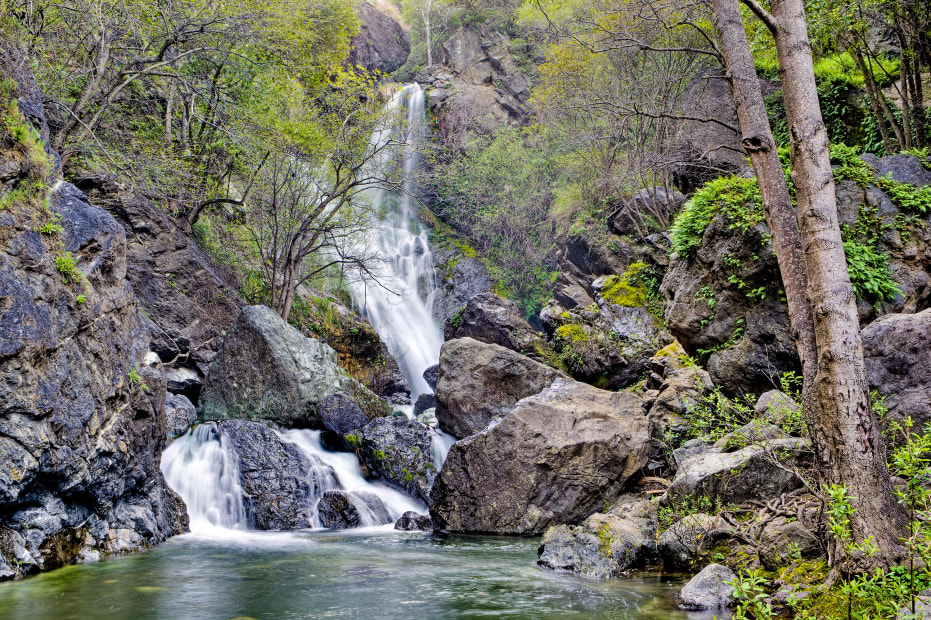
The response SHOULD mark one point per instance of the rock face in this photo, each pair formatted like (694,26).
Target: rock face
(491,319)
(749,473)
(898,364)
(400,451)
(82,419)
(459,279)
(382,44)
(186,299)
(673,388)
(552,460)
(278,480)
(481,382)
(747,338)
(604,546)
(267,370)
(709,589)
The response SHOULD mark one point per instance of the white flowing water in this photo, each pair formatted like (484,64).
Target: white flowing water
(398,301)
(203,468)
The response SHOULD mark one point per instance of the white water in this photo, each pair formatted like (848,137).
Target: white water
(203,468)
(399,304)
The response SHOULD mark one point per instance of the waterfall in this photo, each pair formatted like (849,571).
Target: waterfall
(399,305)
(203,468)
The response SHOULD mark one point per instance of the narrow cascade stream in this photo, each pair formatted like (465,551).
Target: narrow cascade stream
(203,468)
(399,304)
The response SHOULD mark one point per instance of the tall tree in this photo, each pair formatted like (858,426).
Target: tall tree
(836,402)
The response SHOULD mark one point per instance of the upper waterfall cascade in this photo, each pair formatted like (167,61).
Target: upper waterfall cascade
(399,303)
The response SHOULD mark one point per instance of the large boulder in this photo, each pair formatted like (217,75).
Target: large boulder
(757,472)
(712,588)
(82,418)
(554,459)
(267,370)
(382,44)
(898,364)
(400,451)
(180,415)
(783,542)
(491,319)
(604,546)
(460,277)
(481,382)
(280,483)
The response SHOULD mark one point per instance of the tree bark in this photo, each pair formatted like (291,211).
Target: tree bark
(844,430)
(777,204)
(874,94)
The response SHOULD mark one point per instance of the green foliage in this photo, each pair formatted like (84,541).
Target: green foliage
(716,415)
(736,335)
(136,383)
(737,198)
(64,263)
(869,272)
(688,505)
(751,595)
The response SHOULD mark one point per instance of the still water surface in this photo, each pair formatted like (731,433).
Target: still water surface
(374,574)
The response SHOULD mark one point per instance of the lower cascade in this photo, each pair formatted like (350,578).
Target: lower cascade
(204,468)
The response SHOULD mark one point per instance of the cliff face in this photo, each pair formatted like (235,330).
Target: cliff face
(82,417)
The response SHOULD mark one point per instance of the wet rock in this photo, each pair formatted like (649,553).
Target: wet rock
(898,364)
(424,402)
(681,544)
(340,510)
(279,481)
(410,521)
(491,319)
(709,589)
(604,546)
(184,381)
(432,375)
(781,541)
(400,451)
(749,473)
(481,382)
(180,415)
(341,415)
(267,370)
(552,460)
(382,44)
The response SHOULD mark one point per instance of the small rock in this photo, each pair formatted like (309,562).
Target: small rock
(682,542)
(431,375)
(781,540)
(180,413)
(709,589)
(411,521)
(340,510)
(424,402)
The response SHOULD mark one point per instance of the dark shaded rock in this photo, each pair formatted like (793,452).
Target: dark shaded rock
(709,589)
(459,279)
(681,544)
(902,168)
(267,370)
(781,541)
(424,402)
(898,364)
(491,319)
(82,418)
(180,415)
(628,218)
(382,44)
(481,382)
(186,298)
(410,521)
(432,375)
(184,381)
(340,510)
(604,546)
(735,477)
(280,482)
(400,451)
(552,460)
(341,415)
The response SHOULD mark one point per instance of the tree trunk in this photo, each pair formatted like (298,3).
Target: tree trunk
(874,94)
(777,204)
(90,90)
(844,430)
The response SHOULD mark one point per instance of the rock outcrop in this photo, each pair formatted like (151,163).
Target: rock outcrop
(82,417)
(491,319)
(400,451)
(382,44)
(554,459)
(481,382)
(460,277)
(267,370)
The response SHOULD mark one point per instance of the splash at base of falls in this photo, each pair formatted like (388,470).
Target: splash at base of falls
(204,469)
